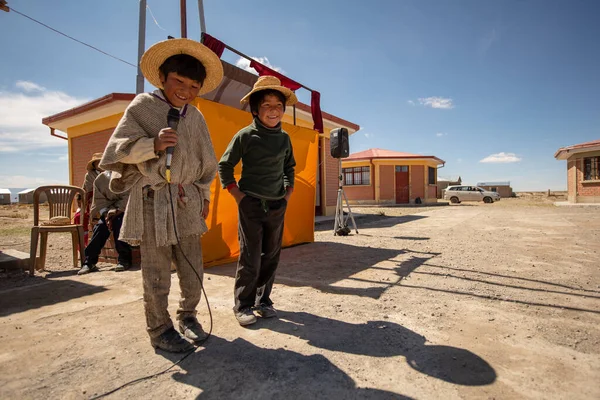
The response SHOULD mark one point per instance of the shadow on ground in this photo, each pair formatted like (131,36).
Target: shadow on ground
(241,370)
(42,293)
(370,221)
(385,339)
(300,267)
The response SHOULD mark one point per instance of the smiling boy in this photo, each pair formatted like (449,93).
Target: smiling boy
(262,194)
(165,217)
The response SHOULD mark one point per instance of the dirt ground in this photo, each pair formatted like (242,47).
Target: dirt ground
(469,301)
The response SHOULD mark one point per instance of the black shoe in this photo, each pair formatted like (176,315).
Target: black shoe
(122,267)
(171,341)
(245,317)
(87,268)
(190,328)
(266,311)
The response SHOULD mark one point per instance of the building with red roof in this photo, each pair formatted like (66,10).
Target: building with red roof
(583,171)
(379,176)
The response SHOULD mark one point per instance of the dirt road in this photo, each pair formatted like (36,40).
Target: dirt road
(497,301)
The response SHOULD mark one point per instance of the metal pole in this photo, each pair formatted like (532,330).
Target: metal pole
(183,10)
(139,85)
(201,12)
(294,114)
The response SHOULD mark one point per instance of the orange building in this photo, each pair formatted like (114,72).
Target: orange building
(89,126)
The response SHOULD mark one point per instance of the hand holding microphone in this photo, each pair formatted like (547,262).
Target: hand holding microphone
(167,139)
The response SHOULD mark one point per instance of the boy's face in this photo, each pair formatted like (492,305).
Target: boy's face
(270,111)
(178,89)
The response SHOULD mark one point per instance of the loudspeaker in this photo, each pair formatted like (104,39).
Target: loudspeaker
(340,146)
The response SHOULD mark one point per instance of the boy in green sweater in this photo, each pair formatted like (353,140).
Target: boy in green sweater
(262,195)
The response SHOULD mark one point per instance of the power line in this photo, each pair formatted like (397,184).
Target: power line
(72,38)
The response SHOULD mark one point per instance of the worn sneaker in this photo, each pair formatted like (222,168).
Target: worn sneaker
(171,341)
(245,317)
(266,311)
(122,267)
(86,269)
(191,329)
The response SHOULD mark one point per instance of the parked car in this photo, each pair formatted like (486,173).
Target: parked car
(459,193)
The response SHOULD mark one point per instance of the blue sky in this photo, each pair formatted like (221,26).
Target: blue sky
(492,88)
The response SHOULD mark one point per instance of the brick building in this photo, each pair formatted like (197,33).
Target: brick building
(583,171)
(502,188)
(378,176)
(443,183)
(5,196)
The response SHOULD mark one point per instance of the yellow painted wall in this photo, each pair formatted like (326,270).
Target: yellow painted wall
(220,244)
(94,126)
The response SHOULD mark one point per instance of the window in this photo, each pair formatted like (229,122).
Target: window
(431,176)
(357,176)
(591,169)
(494,189)
(401,168)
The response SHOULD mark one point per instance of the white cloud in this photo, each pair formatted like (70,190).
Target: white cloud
(412,103)
(436,102)
(440,134)
(369,135)
(21,181)
(21,114)
(245,64)
(8,149)
(30,86)
(501,158)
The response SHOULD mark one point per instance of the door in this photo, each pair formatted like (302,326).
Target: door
(402,189)
(476,194)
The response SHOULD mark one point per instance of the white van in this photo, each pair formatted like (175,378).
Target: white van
(459,193)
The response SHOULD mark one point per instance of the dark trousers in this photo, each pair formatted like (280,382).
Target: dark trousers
(260,233)
(99,238)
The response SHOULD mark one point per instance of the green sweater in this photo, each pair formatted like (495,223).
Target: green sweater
(267,161)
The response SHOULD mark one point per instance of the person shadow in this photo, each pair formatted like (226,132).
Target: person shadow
(239,369)
(385,339)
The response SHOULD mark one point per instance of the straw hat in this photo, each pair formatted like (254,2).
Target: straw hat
(270,82)
(95,157)
(156,55)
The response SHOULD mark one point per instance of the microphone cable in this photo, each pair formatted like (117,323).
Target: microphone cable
(189,353)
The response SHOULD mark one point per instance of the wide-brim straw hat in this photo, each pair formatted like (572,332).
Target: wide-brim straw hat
(156,55)
(95,157)
(271,82)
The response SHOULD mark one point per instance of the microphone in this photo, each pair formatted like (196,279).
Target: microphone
(172,122)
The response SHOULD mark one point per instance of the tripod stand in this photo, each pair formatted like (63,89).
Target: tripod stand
(340,227)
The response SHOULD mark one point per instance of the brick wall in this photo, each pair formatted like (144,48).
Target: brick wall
(83,147)
(571,180)
(331,175)
(586,191)
(359,193)
(417,182)
(387,181)
(431,193)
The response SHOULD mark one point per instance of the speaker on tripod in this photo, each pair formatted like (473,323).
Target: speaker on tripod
(340,148)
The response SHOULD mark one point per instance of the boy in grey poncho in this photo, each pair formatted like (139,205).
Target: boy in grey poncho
(136,153)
